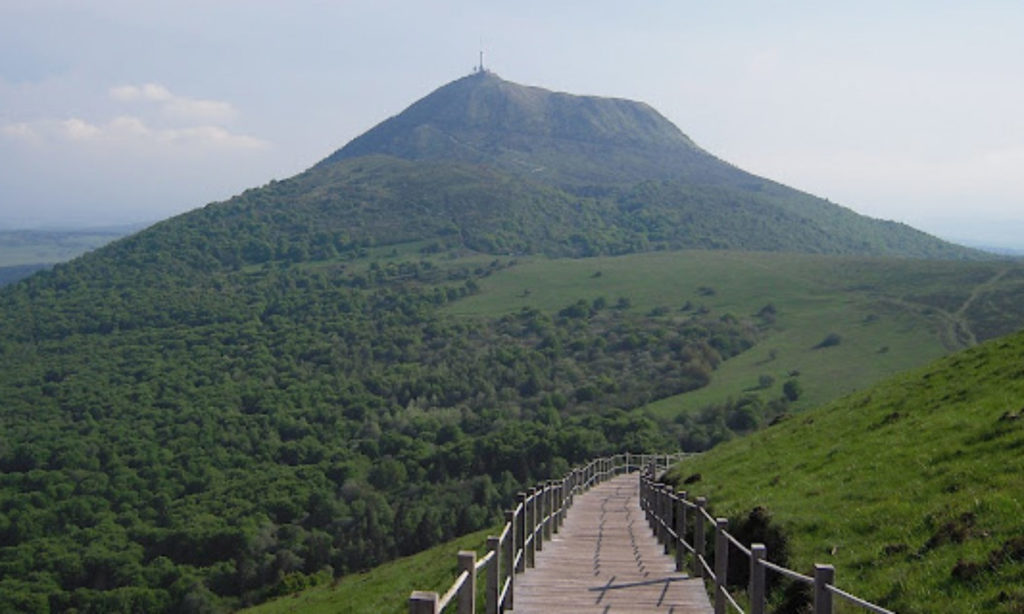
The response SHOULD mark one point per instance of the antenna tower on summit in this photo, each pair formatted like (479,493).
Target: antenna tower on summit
(480,67)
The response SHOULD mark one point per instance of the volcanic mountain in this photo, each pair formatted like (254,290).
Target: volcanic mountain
(492,166)
(546,136)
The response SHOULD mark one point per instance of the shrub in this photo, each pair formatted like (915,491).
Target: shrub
(830,340)
(792,390)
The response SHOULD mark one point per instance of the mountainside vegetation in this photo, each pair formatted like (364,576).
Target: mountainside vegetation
(640,172)
(890,315)
(912,489)
(371,357)
(177,438)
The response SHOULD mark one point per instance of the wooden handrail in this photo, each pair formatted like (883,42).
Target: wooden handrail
(667,514)
(537,515)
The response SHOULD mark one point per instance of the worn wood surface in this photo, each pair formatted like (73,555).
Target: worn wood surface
(605,559)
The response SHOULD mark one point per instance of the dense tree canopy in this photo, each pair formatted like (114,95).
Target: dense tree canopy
(186,432)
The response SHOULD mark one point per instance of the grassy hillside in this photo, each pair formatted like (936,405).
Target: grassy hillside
(912,489)
(384,589)
(890,314)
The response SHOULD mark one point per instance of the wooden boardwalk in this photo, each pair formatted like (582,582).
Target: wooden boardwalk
(605,559)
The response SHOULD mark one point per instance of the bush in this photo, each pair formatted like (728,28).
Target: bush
(830,340)
(792,390)
(757,527)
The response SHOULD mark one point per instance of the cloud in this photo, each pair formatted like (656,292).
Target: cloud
(174,106)
(210,110)
(129,130)
(160,120)
(80,130)
(133,93)
(20,130)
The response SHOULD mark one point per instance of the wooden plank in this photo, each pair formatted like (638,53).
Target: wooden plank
(604,559)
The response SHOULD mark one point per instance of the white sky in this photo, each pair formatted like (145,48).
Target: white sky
(122,111)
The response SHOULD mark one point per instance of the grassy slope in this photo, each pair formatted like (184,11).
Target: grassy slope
(892,314)
(385,588)
(886,484)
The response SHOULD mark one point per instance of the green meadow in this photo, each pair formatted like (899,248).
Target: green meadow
(384,589)
(912,489)
(890,314)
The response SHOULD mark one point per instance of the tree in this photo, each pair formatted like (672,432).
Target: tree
(792,390)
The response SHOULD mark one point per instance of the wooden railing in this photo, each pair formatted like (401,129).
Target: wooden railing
(673,516)
(538,514)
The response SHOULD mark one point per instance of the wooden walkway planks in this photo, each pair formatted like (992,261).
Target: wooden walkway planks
(605,559)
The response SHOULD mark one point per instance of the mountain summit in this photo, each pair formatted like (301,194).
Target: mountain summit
(589,175)
(568,139)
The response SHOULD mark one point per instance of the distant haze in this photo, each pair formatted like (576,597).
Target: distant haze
(118,111)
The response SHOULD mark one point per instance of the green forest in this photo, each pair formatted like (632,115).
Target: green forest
(180,438)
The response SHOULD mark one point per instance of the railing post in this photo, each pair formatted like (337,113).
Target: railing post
(556,505)
(652,504)
(493,574)
(538,518)
(520,533)
(758,552)
(823,575)
(658,493)
(721,564)
(652,500)
(698,537)
(658,503)
(679,522)
(549,504)
(660,513)
(666,517)
(566,496)
(531,527)
(423,602)
(560,495)
(467,594)
(513,539)
(627,462)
